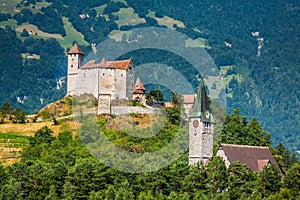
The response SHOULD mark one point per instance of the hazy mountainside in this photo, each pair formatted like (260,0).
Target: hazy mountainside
(257,39)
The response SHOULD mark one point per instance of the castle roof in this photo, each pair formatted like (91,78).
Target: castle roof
(76,50)
(255,157)
(120,64)
(139,87)
(201,104)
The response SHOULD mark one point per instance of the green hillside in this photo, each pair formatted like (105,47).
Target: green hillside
(258,39)
(61,167)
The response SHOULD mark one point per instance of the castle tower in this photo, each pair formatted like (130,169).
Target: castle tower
(139,92)
(201,128)
(75,61)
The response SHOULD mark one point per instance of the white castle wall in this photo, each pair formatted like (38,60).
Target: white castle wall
(120,84)
(86,81)
(74,63)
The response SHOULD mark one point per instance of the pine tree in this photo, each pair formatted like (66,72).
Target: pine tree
(52,194)
(292,179)
(240,180)
(269,180)
(216,176)
(110,192)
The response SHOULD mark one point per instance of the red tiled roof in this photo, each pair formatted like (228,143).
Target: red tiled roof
(168,105)
(139,87)
(254,157)
(75,49)
(121,64)
(138,91)
(188,98)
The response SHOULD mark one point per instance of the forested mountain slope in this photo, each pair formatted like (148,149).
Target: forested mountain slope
(257,39)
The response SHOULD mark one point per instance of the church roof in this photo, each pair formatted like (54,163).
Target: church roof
(139,87)
(201,104)
(255,157)
(120,64)
(76,50)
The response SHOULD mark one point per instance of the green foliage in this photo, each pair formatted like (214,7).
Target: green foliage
(284,157)
(240,180)
(269,180)
(237,130)
(10,191)
(175,115)
(154,96)
(216,176)
(14,140)
(6,109)
(28,78)
(292,180)
(24,33)
(62,168)
(19,116)
(45,114)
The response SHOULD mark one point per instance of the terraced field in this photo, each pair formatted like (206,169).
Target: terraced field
(11,145)
(14,137)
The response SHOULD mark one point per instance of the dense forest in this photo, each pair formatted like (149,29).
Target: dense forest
(62,168)
(262,45)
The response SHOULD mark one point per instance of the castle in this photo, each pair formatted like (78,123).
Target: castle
(111,81)
(108,81)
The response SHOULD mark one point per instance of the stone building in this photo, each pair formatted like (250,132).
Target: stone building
(107,81)
(255,157)
(201,128)
(139,92)
(188,102)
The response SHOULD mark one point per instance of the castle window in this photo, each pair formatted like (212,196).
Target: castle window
(121,75)
(71,66)
(103,74)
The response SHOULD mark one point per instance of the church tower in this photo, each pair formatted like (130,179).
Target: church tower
(201,128)
(75,61)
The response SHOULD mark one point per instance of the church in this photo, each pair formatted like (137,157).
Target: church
(201,132)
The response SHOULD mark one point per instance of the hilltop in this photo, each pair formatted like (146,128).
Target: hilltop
(256,42)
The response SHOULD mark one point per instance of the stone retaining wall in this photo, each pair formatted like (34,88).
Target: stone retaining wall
(121,110)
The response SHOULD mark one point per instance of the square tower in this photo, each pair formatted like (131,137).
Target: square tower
(75,62)
(201,128)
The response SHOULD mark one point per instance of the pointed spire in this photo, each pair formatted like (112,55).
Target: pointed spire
(139,87)
(201,104)
(76,50)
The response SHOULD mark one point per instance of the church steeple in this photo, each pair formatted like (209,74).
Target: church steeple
(201,104)
(201,128)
